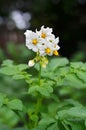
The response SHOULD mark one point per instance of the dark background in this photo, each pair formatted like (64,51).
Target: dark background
(66,17)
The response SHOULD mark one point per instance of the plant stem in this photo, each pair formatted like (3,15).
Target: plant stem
(39,99)
(38,105)
(39,72)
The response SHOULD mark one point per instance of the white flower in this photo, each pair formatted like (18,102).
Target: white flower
(32,39)
(31,63)
(55,44)
(49,46)
(43,42)
(46,48)
(45,32)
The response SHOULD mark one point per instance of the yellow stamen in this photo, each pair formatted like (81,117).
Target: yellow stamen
(43,35)
(34,41)
(56,53)
(47,50)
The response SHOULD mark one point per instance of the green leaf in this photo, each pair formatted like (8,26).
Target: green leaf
(74,113)
(81,75)
(47,121)
(76,125)
(33,89)
(73,102)
(46,90)
(62,71)
(76,64)
(15,70)
(18,76)
(53,127)
(73,81)
(57,62)
(7,62)
(43,90)
(8,117)
(65,126)
(15,104)
(22,67)
(11,70)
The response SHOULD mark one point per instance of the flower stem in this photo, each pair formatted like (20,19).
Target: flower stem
(39,99)
(39,72)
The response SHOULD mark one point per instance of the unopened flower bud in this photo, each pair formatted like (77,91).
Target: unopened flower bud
(46,61)
(44,65)
(31,63)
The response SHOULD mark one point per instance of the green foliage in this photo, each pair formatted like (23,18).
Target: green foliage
(1,99)
(57,92)
(2,55)
(13,70)
(15,104)
(8,117)
(18,52)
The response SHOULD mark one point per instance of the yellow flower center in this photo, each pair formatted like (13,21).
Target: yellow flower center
(56,53)
(43,35)
(34,41)
(47,50)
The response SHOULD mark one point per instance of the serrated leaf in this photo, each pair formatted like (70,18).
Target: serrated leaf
(15,104)
(73,102)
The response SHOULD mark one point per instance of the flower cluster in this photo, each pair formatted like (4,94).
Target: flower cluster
(43,42)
